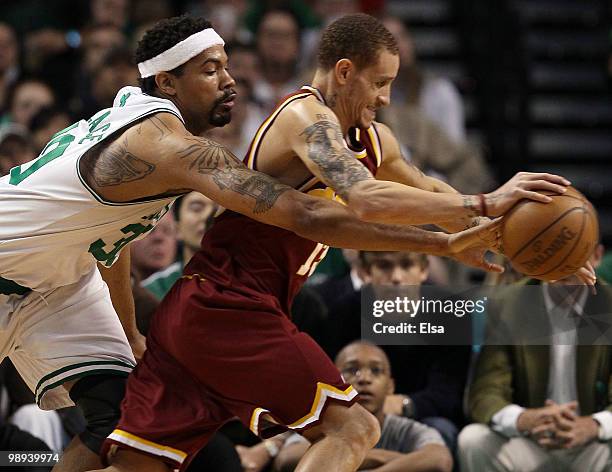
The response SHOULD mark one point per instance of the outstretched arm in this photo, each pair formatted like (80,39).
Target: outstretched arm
(314,134)
(159,158)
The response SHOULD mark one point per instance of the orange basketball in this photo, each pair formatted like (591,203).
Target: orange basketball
(550,241)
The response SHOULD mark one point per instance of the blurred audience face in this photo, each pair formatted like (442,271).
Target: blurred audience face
(278,40)
(158,249)
(98,41)
(367,89)
(366,367)
(244,66)
(404,40)
(110,77)
(8,48)
(195,217)
(42,135)
(28,98)
(111,12)
(396,268)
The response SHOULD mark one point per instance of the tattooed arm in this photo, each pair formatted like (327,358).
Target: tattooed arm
(171,161)
(314,134)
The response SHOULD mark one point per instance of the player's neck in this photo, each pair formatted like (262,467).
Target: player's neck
(191,125)
(322,82)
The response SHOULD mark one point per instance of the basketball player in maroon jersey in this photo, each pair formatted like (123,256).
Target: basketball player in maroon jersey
(222,344)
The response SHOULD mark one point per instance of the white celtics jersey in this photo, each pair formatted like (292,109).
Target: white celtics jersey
(53,227)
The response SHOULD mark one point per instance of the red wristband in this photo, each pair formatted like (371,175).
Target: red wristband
(483,205)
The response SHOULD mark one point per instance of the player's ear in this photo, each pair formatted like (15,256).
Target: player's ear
(344,70)
(165,83)
(391,386)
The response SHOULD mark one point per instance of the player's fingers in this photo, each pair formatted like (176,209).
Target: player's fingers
(544,185)
(538,197)
(491,267)
(557,179)
(586,276)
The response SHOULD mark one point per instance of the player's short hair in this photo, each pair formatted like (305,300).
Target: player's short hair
(161,37)
(357,37)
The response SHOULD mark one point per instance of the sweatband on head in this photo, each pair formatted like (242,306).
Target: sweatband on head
(180,53)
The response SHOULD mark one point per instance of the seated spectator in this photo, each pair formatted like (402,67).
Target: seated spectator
(115,71)
(278,47)
(404,443)
(157,250)
(429,379)
(194,214)
(542,407)
(26,99)
(436,97)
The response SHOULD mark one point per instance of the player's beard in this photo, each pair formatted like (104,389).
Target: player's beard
(219,115)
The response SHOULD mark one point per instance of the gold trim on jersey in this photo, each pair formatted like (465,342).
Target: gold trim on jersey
(375,140)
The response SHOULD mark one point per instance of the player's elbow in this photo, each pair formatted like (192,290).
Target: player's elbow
(369,209)
(369,200)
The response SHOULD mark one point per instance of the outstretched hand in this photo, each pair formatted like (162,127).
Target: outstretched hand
(471,246)
(524,185)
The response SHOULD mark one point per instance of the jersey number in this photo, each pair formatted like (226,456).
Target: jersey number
(62,140)
(308,267)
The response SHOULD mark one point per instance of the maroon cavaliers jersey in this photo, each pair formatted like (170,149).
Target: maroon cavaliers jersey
(263,261)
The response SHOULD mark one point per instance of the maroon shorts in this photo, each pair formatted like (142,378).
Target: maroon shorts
(214,354)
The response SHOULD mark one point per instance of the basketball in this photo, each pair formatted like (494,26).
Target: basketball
(550,241)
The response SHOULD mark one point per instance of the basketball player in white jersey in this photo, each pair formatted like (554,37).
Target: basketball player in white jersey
(102,183)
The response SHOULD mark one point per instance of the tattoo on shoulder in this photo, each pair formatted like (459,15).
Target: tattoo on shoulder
(160,126)
(116,165)
(338,167)
(229,173)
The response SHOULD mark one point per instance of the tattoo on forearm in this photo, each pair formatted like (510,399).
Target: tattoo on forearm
(229,173)
(327,150)
(116,165)
(470,203)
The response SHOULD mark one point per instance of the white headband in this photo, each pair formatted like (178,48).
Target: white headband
(180,53)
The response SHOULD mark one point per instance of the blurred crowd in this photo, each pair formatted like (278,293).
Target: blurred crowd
(441,408)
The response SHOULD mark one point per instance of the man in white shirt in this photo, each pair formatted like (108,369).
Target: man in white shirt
(544,407)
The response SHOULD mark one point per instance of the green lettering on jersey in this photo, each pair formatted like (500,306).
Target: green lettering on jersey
(107,258)
(62,141)
(94,122)
(124,98)
(93,128)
